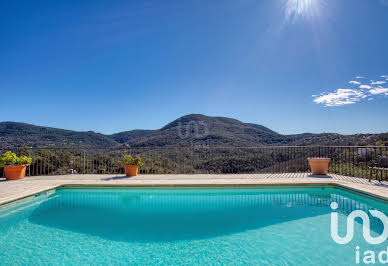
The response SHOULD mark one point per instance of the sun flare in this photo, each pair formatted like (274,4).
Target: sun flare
(307,9)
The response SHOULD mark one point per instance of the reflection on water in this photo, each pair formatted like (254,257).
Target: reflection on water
(169,215)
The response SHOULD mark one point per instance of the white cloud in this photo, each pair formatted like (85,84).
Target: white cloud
(379,90)
(365,87)
(340,97)
(378,82)
(351,96)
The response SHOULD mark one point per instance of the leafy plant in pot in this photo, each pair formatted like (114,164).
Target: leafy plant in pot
(131,165)
(14,166)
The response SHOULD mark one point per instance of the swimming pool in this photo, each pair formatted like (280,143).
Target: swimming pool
(275,226)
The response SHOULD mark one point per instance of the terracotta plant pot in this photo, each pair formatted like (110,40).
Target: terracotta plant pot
(13,172)
(131,170)
(319,166)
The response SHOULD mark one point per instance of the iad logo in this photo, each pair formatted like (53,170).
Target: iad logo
(365,226)
(193,129)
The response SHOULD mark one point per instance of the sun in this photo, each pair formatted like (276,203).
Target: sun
(307,9)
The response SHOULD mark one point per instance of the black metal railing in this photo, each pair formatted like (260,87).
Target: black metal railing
(345,160)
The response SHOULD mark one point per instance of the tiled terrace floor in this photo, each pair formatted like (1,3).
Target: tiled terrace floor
(11,190)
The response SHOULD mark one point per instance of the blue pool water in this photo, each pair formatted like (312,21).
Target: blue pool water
(283,226)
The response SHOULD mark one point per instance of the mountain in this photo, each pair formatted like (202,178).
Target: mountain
(189,130)
(13,134)
(198,129)
(131,135)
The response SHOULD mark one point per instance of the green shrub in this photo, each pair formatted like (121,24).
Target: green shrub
(10,158)
(129,160)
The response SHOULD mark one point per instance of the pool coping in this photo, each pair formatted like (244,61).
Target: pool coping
(354,188)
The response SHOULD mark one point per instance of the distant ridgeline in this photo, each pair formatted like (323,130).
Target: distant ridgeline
(187,131)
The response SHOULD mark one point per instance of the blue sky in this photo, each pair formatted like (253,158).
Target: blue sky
(110,66)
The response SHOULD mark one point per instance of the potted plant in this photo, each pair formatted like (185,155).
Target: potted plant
(131,165)
(319,166)
(14,166)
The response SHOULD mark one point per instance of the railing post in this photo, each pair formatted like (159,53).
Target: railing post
(29,167)
(84,161)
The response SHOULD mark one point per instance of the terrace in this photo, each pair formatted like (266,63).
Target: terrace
(178,166)
(72,197)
